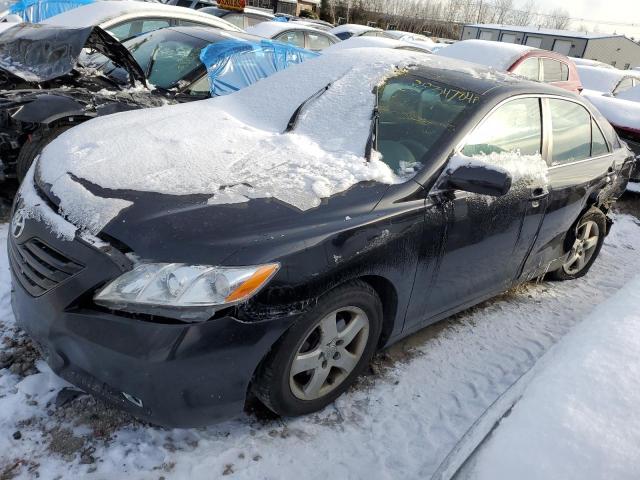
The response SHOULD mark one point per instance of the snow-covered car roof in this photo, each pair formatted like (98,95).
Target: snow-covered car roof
(262,147)
(590,63)
(619,112)
(375,42)
(353,28)
(409,36)
(108,12)
(603,80)
(271,29)
(633,94)
(498,55)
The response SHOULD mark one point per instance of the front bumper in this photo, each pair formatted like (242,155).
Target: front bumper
(171,374)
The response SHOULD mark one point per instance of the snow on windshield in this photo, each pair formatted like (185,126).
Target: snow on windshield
(233,147)
(493,54)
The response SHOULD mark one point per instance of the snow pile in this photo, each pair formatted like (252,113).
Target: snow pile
(500,56)
(234,147)
(578,418)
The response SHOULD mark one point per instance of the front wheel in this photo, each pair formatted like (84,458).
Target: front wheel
(323,353)
(587,242)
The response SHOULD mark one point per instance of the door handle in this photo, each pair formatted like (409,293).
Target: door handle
(539,193)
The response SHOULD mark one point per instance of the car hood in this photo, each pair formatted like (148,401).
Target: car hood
(39,53)
(189,229)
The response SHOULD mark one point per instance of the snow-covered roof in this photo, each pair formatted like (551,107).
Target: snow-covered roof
(602,80)
(271,29)
(103,12)
(498,55)
(353,28)
(633,94)
(542,31)
(375,42)
(590,63)
(251,154)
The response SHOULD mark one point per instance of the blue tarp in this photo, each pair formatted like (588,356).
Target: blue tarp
(35,11)
(235,64)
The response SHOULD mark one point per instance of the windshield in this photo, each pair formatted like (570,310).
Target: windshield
(165,56)
(414,115)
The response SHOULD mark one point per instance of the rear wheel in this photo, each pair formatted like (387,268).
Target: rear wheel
(323,353)
(587,240)
(33,147)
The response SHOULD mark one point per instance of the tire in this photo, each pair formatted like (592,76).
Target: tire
(32,148)
(580,257)
(289,394)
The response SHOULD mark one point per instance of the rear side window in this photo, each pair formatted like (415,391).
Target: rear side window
(598,143)
(514,127)
(530,69)
(134,28)
(554,71)
(295,38)
(317,41)
(571,128)
(344,35)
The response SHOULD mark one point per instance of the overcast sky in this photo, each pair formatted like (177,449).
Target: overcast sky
(625,11)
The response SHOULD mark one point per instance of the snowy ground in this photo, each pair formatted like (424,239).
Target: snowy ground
(402,421)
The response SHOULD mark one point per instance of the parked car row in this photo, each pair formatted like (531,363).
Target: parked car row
(175,260)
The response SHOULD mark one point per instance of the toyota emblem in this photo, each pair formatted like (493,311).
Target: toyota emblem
(17,224)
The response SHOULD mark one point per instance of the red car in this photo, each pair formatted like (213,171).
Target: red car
(529,62)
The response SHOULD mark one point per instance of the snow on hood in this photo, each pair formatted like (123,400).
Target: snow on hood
(233,147)
(500,56)
(633,94)
(619,112)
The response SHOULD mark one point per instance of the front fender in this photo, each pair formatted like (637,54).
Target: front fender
(48,108)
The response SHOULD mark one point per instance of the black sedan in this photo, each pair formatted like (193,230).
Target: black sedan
(52,86)
(279,252)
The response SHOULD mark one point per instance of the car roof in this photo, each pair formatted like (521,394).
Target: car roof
(271,29)
(102,12)
(372,42)
(212,35)
(498,55)
(353,28)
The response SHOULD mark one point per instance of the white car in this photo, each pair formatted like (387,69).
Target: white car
(616,93)
(377,42)
(349,30)
(293,33)
(126,19)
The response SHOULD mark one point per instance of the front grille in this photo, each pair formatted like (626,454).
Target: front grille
(38,267)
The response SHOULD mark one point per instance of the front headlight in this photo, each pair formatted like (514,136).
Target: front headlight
(187,292)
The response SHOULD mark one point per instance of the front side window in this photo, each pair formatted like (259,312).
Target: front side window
(571,129)
(530,69)
(293,37)
(514,128)
(415,114)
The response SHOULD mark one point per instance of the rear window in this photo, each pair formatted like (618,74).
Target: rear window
(414,115)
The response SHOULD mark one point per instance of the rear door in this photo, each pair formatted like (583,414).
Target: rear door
(582,163)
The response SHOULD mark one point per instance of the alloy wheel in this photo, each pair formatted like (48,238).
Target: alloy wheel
(587,236)
(329,353)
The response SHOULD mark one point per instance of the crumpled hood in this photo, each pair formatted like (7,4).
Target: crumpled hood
(38,53)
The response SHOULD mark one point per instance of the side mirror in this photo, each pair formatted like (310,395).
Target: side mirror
(479,179)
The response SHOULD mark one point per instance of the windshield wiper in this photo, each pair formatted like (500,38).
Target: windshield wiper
(294,118)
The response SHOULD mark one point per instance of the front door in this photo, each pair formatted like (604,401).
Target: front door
(487,239)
